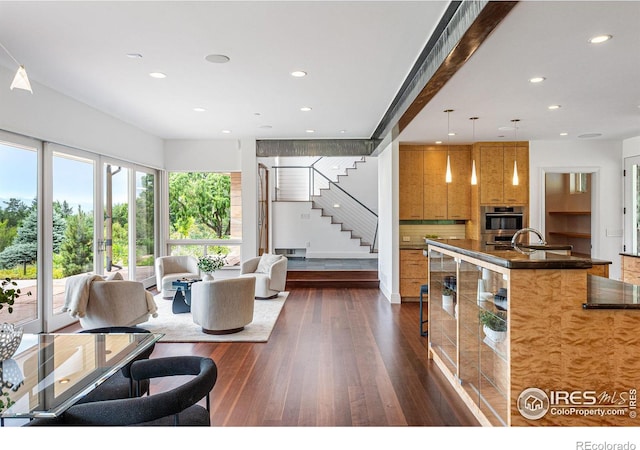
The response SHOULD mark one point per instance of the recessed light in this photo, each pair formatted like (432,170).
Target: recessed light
(438,142)
(553,107)
(266,127)
(536,79)
(226,131)
(157,75)
(256,114)
(564,134)
(198,109)
(217,59)
(343,131)
(451,134)
(589,135)
(310,131)
(134,55)
(298,74)
(600,39)
(305,108)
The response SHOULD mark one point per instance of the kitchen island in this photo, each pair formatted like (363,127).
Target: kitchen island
(529,338)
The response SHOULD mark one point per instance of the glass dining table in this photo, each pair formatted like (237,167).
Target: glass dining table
(50,372)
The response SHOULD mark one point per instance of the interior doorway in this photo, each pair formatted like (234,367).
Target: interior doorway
(568,210)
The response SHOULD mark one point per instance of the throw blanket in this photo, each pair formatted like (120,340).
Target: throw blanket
(76,293)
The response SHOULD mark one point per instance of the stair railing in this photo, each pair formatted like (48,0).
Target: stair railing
(306,183)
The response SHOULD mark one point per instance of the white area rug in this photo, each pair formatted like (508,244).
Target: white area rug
(180,327)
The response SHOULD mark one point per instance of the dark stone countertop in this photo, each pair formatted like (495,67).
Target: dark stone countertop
(511,258)
(604,293)
(633,255)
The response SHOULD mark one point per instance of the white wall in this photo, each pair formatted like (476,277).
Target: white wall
(296,225)
(223,156)
(388,226)
(362,183)
(50,116)
(604,158)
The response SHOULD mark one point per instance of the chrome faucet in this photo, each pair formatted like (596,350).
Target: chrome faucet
(514,239)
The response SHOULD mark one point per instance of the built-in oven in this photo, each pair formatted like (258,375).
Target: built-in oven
(499,223)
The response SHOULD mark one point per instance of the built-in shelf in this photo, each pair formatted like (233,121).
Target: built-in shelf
(571,213)
(569,234)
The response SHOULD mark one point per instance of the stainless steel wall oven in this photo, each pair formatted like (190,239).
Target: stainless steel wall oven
(499,223)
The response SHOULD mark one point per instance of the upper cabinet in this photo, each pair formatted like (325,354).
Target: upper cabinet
(497,170)
(411,181)
(424,193)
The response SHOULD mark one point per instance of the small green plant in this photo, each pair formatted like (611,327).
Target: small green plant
(447,291)
(9,292)
(210,263)
(496,321)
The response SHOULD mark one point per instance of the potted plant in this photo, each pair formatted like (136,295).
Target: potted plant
(10,335)
(447,300)
(494,325)
(209,264)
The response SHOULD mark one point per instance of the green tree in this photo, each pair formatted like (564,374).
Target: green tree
(14,212)
(200,203)
(24,248)
(7,234)
(77,247)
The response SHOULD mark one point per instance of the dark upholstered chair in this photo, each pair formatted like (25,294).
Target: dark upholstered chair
(174,407)
(120,384)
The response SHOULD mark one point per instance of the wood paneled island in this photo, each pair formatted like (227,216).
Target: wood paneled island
(570,351)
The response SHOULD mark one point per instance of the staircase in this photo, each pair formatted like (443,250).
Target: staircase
(332,273)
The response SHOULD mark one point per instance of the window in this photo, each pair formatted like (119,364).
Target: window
(205,214)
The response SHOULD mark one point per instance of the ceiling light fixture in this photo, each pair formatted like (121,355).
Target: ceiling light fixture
(552,107)
(217,59)
(536,79)
(298,74)
(474,177)
(305,108)
(310,131)
(226,131)
(515,180)
(600,39)
(564,134)
(447,175)
(21,80)
(134,55)
(198,109)
(158,75)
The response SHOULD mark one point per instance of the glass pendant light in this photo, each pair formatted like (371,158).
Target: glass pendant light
(447,176)
(474,178)
(515,181)
(21,80)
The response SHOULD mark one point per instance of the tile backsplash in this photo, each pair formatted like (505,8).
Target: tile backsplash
(416,233)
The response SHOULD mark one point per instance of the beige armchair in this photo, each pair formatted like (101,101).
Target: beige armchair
(172,268)
(270,272)
(97,302)
(223,306)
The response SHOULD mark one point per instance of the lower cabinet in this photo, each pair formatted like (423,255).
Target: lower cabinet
(413,273)
(468,332)
(630,269)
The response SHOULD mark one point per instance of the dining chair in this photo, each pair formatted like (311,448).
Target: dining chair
(173,407)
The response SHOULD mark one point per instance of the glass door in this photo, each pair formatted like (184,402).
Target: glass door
(145,213)
(19,237)
(632,205)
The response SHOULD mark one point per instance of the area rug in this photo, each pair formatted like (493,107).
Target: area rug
(180,327)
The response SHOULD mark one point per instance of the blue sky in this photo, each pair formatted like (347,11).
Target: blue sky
(72,181)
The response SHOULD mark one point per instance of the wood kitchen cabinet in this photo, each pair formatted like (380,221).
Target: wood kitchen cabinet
(411,181)
(424,193)
(496,173)
(413,272)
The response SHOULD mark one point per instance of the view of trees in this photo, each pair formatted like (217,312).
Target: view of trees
(199,205)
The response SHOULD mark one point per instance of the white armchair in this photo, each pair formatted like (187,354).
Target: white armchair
(223,306)
(172,268)
(270,272)
(98,303)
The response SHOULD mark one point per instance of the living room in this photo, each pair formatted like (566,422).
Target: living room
(52,121)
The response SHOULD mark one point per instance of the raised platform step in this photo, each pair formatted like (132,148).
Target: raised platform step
(333,278)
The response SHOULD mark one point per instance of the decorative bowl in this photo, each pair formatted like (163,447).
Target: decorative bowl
(10,338)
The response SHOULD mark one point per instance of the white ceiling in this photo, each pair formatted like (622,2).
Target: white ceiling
(357,55)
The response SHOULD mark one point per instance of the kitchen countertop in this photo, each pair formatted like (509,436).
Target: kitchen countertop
(604,293)
(511,259)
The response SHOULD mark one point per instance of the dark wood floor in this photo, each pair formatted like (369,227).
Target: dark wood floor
(337,357)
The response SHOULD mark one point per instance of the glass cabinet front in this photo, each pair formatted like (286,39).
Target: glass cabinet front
(470,332)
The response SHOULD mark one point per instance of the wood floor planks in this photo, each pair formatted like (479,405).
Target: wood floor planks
(337,357)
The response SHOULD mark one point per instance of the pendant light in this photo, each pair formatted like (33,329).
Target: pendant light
(474,178)
(21,80)
(515,144)
(447,176)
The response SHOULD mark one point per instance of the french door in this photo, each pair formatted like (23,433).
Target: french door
(632,204)
(65,212)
